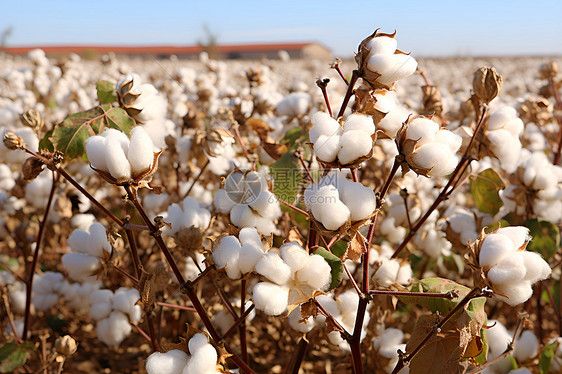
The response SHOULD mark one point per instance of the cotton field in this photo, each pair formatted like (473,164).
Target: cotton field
(382,214)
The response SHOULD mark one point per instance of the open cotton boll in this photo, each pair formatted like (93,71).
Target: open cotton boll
(499,117)
(323,124)
(222,202)
(359,199)
(297,323)
(249,235)
(382,44)
(171,362)
(125,300)
(80,267)
(326,148)
(140,153)
(114,329)
(315,273)
(241,215)
(97,241)
(202,361)
(273,268)
(537,268)
(435,156)
(96,151)
(526,346)
(270,298)
(360,122)
(100,304)
(328,208)
(508,269)
(295,104)
(227,254)
(266,205)
(494,248)
(196,342)
(391,67)
(117,162)
(294,255)
(515,292)
(354,144)
(250,254)
(387,272)
(518,235)
(422,129)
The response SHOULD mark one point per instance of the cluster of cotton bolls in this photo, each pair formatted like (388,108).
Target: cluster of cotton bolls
(389,271)
(247,200)
(89,249)
(202,359)
(114,312)
(502,132)
(387,343)
(397,217)
(126,161)
(296,104)
(394,113)
(335,200)
(189,214)
(293,274)
(540,182)
(348,145)
(509,268)
(431,240)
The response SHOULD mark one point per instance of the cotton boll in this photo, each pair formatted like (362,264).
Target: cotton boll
(297,323)
(382,44)
(241,215)
(171,362)
(329,209)
(494,248)
(434,156)
(392,67)
(354,144)
(537,268)
(227,254)
(96,151)
(114,329)
(449,138)
(359,122)
(326,148)
(266,205)
(140,153)
(80,267)
(270,298)
(222,202)
(387,272)
(519,235)
(404,274)
(197,342)
(100,302)
(294,255)
(203,361)
(250,254)
(97,241)
(249,235)
(516,292)
(117,162)
(272,267)
(323,124)
(125,299)
(526,346)
(316,273)
(360,200)
(509,269)
(422,129)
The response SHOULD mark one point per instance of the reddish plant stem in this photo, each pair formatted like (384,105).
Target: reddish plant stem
(355,343)
(31,267)
(349,92)
(201,275)
(447,295)
(238,321)
(152,332)
(126,274)
(334,239)
(447,190)
(186,287)
(235,127)
(382,193)
(141,331)
(322,84)
(354,174)
(336,66)
(242,327)
(351,279)
(134,252)
(293,207)
(174,306)
(296,359)
(425,78)
(197,178)
(301,159)
(346,335)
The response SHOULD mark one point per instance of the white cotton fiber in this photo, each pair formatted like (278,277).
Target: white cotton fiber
(242,216)
(140,152)
(434,156)
(316,273)
(80,267)
(226,254)
(222,202)
(114,329)
(359,122)
(96,151)
(171,362)
(494,248)
(404,274)
(125,299)
(78,241)
(294,255)
(526,346)
(250,254)
(516,292)
(354,144)
(518,235)
(382,44)
(249,235)
(274,268)
(509,269)
(296,322)
(537,268)
(360,200)
(270,298)
(422,130)
(323,124)
(98,240)
(326,148)
(196,342)
(203,361)
(117,162)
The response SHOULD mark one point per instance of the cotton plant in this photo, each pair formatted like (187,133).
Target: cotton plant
(387,343)
(397,217)
(90,250)
(18,156)
(189,214)
(247,200)
(114,312)
(389,271)
(502,134)
(503,263)
(347,145)
(120,160)
(202,359)
(336,201)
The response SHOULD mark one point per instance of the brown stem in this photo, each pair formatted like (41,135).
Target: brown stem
(293,207)
(322,84)
(336,66)
(141,331)
(346,335)
(299,155)
(355,343)
(390,177)
(197,177)
(235,127)
(174,306)
(350,276)
(425,78)
(242,327)
(447,295)
(447,190)
(123,272)
(238,321)
(296,359)
(134,252)
(10,315)
(33,265)
(348,93)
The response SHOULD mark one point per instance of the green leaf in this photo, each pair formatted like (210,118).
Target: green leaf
(484,188)
(293,137)
(546,237)
(339,248)
(106,92)
(335,263)
(45,143)
(546,357)
(287,177)
(13,356)
(69,136)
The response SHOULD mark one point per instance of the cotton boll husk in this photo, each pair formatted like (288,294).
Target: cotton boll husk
(242,216)
(274,268)
(537,268)
(360,200)
(204,361)
(382,44)
(140,153)
(296,322)
(516,292)
(171,362)
(270,298)
(387,272)
(316,273)
(294,255)
(494,248)
(96,151)
(359,122)
(80,267)
(117,163)
(509,269)
(422,130)
(326,148)
(222,202)
(114,329)
(526,346)
(518,235)
(354,144)
(324,124)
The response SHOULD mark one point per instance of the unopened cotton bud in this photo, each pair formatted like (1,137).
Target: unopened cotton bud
(487,84)
(66,345)
(13,141)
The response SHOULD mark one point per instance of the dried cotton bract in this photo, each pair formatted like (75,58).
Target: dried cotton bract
(506,266)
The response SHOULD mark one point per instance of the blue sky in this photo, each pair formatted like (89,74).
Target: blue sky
(425,28)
